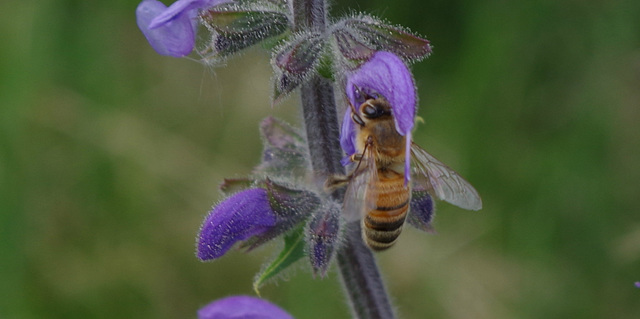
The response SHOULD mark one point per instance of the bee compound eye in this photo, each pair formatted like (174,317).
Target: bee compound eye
(369,111)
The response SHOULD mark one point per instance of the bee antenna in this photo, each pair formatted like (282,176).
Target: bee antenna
(363,94)
(353,109)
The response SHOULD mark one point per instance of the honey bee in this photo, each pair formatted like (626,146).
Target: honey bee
(377,192)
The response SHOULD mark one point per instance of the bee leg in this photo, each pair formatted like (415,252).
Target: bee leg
(336,181)
(356,157)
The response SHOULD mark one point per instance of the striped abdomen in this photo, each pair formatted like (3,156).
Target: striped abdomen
(382,226)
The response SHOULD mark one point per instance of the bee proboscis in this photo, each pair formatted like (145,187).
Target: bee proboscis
(377,193)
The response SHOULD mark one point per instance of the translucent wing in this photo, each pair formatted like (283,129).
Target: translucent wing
(444,183)
(361,196)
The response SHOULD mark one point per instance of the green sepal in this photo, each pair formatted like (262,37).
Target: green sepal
(284,154)
(233,185)
(325,67)
(293,251)
(234,27)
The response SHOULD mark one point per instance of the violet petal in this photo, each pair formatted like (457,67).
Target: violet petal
(348,134)
(242,307)
(239,217)
(190,7)
(387,75)
(289,206)
(174,38)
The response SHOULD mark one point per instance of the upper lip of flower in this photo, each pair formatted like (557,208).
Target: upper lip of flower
(171,31)
(387,75)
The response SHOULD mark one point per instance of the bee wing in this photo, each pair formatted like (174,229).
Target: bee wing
(443,182)
(361,195)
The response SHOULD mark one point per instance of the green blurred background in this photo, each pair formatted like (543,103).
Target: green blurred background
(110,156)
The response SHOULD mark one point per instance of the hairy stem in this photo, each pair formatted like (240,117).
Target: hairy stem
(360,275)
(361,278)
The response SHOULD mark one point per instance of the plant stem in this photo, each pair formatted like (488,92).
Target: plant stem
(361,278)
(360,275)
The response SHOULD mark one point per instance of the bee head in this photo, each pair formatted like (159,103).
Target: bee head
(375,108)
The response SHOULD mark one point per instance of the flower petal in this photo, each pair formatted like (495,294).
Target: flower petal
(174,38)
(347,135)
(190,7)
(289,206)
(239,217)
(323,237)
(387,75)
(242,307)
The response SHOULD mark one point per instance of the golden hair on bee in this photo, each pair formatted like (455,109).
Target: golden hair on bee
(379,174)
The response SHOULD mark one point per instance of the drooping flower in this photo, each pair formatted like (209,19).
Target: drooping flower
(171,31)
(242,307)
(386,75)
(254,216)
(239,217)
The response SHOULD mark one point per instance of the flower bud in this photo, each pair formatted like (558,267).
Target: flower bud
(323,238)
(294,61)
(290,208)
(421,211)
(245,214)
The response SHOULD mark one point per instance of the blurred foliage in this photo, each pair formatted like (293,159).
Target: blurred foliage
(110,156)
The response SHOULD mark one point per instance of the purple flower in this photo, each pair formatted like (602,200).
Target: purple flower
(239,217)
(637,284)
(422,210)
(347,136)
(386,75)
(242,307)
(171,31)
(323,238)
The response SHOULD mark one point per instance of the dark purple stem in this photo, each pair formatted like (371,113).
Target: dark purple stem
(360,275)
